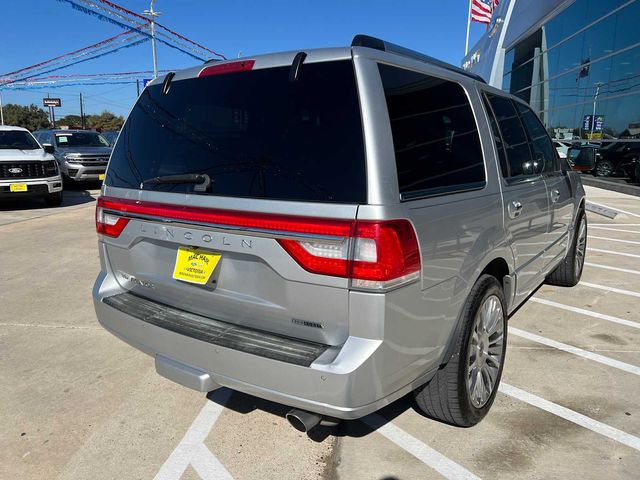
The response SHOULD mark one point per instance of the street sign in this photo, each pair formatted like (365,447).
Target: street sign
(52,102)
(599,123)
(588,125)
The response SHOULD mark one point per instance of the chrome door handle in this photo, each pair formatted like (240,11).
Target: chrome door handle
(555,195)
(515,209)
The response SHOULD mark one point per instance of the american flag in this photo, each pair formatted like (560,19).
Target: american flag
(482,10)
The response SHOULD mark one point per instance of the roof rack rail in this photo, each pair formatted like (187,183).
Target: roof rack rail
(378,44)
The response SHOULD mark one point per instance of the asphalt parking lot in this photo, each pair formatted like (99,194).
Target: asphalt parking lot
(77,403)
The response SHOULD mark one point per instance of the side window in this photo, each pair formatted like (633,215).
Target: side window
(434,134)
(500,148)
(544,156)
(514,137)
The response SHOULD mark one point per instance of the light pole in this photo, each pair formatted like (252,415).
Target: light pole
(152,14)
(595,100)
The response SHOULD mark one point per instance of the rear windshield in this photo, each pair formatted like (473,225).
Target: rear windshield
(256,134)
(17,140)
(80,139)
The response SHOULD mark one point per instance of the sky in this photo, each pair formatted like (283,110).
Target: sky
(37,30)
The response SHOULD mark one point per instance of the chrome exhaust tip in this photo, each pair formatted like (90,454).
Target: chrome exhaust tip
(303,421)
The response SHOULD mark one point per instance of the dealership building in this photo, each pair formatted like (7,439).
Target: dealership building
(576,62)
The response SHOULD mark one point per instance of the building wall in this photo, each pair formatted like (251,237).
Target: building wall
(564,56)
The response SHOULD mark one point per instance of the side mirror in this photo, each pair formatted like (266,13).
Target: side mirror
(582,159)
(48,148)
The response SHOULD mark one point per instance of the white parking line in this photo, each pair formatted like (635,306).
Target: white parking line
(615,240)
(615,269)
(576,351)
(611,252)
(589,313)
(427,455)
(613,224)
(610,289)
(574,417)
(615,209)
(614,229)
(192,451)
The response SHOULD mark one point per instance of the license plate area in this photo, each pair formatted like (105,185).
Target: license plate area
(18,187)
(195,265)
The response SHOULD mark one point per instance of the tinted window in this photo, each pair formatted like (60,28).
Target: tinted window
(434,133)
(513,135)
(500,149)
(256,134)
(17,140)
(80,139)
(544,156)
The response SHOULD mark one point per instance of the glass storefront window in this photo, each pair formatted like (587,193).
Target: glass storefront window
(561,83)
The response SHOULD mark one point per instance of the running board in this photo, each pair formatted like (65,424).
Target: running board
(248,340)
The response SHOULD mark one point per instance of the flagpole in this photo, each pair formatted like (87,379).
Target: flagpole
(466,44)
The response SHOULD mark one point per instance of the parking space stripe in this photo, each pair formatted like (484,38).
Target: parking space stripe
(427,455)
(589,313)
(615,209)
(615,269)
(614,229)
(574,417)
(611,252)
(192,451)
(610,289)
(615,240)
(614,224)
(576,351)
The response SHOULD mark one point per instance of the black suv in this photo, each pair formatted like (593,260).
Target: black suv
(619,157)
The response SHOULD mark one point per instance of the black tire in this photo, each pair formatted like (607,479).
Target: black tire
(446,397)
(568,273)
(53,199)
(604,168)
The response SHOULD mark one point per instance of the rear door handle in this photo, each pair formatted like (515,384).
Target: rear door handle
(555,195)
(515,209)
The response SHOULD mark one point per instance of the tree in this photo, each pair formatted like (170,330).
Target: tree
(70,121)
(31,117)
(105,121)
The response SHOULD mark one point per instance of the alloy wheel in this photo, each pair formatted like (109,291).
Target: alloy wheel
(581,247)
(485,353)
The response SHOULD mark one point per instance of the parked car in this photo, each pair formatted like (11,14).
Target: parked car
(325,229)
(619,157)
(26,168)
(110,136)
(82,155)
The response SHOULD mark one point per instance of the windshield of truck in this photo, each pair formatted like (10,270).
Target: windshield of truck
(255,133)
(80,139)
(17,140)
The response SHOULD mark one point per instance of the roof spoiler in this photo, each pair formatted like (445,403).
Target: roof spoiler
(378,44)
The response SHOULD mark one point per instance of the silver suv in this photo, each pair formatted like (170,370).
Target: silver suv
(333,229)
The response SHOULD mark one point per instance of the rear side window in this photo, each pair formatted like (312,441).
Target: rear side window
(255,133)
(434,134)
(543,151)
(514,137)
(502,156)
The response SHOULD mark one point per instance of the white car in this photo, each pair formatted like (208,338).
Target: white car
(562,148)
(26,168)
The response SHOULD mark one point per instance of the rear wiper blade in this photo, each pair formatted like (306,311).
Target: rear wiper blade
(202,180)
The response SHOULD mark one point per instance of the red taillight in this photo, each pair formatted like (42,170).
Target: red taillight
(229,67)
(108,223)
(373,254)
(377,255)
